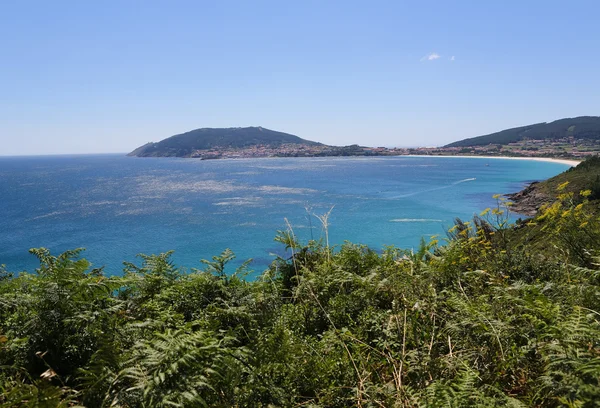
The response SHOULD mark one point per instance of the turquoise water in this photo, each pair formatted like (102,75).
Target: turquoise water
(117,207)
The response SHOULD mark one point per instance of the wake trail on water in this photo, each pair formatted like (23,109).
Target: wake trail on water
(435,189)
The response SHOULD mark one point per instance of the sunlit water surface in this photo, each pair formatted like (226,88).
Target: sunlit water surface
(117,207)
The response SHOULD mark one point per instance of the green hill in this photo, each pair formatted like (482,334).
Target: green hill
(184,144)
(583,127)
(586,176)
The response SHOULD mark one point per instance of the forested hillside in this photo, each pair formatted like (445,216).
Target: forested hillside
(583,127)
(183,145)
(481,317)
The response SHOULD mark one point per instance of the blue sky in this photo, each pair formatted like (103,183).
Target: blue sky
(107,76)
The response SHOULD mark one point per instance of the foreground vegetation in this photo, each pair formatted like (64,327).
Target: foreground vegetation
(488,319)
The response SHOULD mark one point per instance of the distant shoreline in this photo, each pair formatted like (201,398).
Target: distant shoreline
(568,162)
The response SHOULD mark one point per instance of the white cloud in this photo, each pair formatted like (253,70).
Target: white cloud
(431,57)
(452,58)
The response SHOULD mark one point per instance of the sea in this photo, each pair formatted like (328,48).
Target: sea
(117,207)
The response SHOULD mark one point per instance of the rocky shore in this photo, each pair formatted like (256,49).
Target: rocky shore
(529,200)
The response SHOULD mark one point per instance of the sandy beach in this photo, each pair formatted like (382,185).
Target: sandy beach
(568,162)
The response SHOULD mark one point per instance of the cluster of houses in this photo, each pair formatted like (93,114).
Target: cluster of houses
(288,149)
(567,147)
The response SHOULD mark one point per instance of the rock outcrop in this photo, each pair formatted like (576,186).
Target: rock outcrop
(529,200)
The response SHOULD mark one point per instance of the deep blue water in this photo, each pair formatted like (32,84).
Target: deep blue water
(117,207)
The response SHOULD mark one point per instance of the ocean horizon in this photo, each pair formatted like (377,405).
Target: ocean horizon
(117,206)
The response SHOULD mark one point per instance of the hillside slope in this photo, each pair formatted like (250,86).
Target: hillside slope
(583,177)
(583,127)
(183,145)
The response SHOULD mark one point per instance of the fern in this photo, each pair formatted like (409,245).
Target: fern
(179,368)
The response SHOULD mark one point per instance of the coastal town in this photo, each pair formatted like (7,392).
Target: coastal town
(558,148)
(567,147)
(291,150)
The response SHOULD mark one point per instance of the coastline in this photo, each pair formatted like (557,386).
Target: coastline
(568,162)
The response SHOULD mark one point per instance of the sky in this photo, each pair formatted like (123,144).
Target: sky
(108,76)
